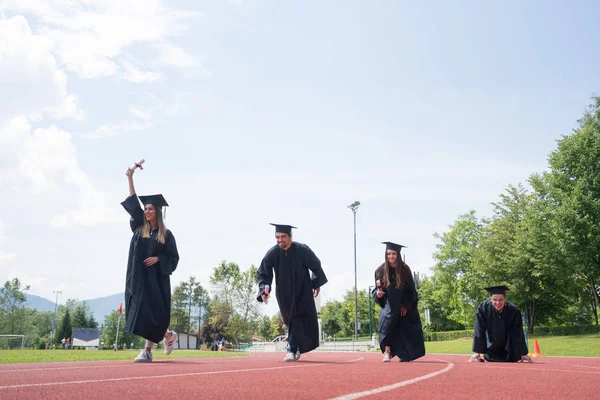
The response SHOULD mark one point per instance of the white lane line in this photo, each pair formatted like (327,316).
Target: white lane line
(585,366)
(407,382)
(132,378)
(121,364)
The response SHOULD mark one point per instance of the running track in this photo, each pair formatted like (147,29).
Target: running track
(317,375)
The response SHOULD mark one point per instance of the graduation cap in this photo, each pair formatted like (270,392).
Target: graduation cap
(492,290)
(157,200)
(283,228)
(393,246)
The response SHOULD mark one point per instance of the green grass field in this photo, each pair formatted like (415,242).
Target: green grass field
(36,356)
(573,346)
(568,346)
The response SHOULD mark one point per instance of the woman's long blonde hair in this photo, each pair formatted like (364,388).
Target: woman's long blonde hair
(162,229)
(399,278)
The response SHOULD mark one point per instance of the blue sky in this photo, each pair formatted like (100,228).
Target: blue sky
(250,112)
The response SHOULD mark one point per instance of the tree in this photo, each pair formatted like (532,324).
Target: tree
(80,319)
(456,278)
(215,321)
(12,300)
(66,329)
(573,185)
(92,324)
(179,316)
(109,332)
(237,290)
(265,329)
(516,250)
(277,325)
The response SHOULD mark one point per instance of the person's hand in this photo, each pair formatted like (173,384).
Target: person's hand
(316,291)
(265,295)
(476,357)
(379,293)
(150,261)
(525,358)
(129,172)
(403,310)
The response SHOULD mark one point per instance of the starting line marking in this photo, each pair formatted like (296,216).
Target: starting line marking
(131,378)
(407,382)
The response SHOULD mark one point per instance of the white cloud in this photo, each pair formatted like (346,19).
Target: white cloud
(134,74)
(91,38)
(4,255)
(47,160)
(34,86)
(142,121)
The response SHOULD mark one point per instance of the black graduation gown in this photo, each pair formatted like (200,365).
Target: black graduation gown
(148,289)
(297,272)
(403,334)
(499,335)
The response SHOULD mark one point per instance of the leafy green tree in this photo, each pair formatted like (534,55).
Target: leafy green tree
(80,318)
(12,301)
(66,329)
(456,278)
(572,184)
(109,332)
(237,289)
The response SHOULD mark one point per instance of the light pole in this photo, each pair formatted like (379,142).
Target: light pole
(54,320)
(354,207)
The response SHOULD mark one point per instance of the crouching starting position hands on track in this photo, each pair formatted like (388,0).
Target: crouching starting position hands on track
(498,330)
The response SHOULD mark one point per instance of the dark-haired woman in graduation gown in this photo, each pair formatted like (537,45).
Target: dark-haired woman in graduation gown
(153,257)
(400,329)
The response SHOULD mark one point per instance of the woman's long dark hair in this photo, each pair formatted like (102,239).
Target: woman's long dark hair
(400,271)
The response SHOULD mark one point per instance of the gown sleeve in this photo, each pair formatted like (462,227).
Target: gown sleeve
(410,297)
(314,265)
(132,205)
(517,337)
(479,336)
(264,274)
(169,256)
(379,276)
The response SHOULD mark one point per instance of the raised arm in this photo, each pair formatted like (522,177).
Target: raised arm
(129,174)
(132,205)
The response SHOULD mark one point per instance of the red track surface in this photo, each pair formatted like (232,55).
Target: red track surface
(316,375)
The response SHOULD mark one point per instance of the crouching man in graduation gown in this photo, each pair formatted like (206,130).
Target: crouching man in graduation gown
(400,330)
(498,333)
(298,279)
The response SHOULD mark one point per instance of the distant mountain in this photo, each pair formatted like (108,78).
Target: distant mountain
(103,306)
(39,303)
(100,307)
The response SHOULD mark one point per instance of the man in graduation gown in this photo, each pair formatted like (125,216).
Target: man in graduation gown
(298,279)
(399,324)
(499,330)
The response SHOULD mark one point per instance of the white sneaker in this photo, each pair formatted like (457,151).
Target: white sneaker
(386,357)
(290,357)
(169,342)
(297,355)
(144,356)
